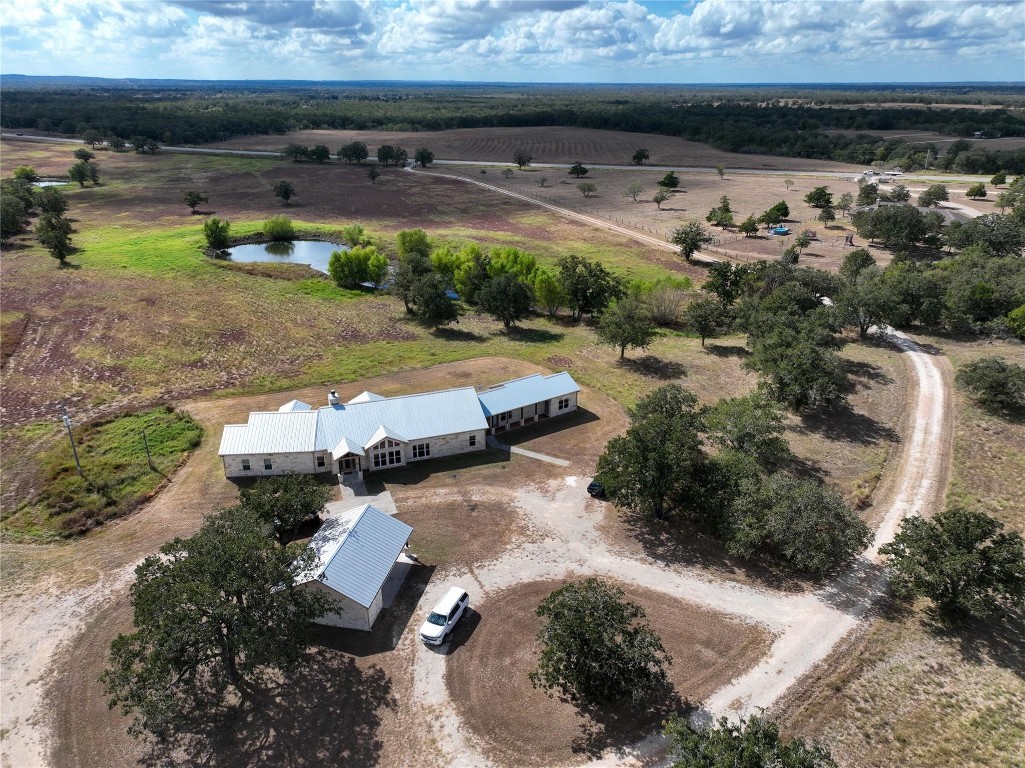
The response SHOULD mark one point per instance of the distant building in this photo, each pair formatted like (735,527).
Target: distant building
(371,432)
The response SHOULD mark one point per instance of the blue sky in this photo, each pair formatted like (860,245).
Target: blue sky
(649,41)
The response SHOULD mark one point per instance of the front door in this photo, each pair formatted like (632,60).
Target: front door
(349,464)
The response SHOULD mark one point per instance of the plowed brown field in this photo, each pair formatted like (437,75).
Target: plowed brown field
(547,144)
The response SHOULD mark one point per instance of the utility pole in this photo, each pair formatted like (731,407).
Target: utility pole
(67,423)
(145,442)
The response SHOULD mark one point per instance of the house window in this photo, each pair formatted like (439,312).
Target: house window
(267,464)
(421,450)
(503,417)
(473,440)
(246,466)
(387,458)
(321,462)
(564,404)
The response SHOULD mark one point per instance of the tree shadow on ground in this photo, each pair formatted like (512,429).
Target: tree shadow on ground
(855,589)
(326,713)
(1000,640)
(726,350)
(617,727)
(654,367)
(866,372)
(533,335)
(844,423)
(458,334)
(676,542)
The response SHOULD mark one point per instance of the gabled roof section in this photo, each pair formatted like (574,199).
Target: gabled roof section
(365,397)
(343,448)
(295,405)
(411,417)
(380,434)
(526,391)
(356,551)
(274,432)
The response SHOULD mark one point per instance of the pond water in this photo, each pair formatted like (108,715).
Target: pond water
(316,253)
(49,183)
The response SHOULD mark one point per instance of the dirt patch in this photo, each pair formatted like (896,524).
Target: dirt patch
(340,709)
(547,144)
(495,649)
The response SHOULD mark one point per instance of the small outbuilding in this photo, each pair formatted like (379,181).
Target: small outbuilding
(357,552)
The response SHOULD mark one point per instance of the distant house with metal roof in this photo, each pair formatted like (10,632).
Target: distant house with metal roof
(371,432)
(356,553)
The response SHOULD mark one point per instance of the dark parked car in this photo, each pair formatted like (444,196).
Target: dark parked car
(596,489)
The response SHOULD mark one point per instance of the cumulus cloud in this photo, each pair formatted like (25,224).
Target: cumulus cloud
(600,40)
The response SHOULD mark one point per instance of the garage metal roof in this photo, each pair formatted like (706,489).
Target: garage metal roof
(526,391)
(356,551)
(274,432)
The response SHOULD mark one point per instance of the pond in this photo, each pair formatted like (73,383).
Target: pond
(49,183)
(316,253)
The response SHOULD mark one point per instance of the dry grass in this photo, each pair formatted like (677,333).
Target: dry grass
(906,692)
(697,194)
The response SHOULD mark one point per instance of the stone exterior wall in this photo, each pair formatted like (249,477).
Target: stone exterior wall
(553,405)
(346,613)
(306,463)
(448,445)
(303,463)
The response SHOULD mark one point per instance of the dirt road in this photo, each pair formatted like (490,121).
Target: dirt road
(806,626)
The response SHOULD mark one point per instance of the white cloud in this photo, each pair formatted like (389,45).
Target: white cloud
(599,40)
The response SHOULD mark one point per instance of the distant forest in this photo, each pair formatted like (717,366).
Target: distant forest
(788,121)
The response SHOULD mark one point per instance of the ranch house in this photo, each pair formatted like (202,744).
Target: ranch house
(371,433)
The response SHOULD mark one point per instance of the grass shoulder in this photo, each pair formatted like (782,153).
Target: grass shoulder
(116,477)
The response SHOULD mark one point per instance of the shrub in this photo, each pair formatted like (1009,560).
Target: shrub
(279,228)
(216,232)
(995,384)
(961,560)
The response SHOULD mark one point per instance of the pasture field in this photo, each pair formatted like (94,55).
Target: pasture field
(142,316)
(547,144)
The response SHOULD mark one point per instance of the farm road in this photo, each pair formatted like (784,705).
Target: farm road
(807,626)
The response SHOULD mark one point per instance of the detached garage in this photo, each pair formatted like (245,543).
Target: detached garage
(356,551)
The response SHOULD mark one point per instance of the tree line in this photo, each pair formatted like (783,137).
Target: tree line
(735,124)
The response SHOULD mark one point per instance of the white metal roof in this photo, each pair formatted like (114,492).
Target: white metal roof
(295,405)
(343,448)
(526,391)
(364,397)
(356,551)
(363,421)
(274,432)
(382,432)
(409,418)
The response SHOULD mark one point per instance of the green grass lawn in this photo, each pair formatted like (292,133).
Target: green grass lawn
(117,477)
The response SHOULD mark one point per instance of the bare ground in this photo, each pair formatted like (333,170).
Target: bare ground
(492,656)
(547,144)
